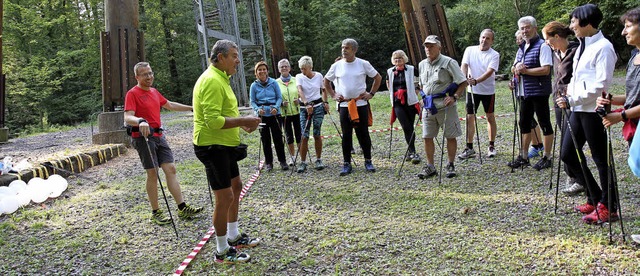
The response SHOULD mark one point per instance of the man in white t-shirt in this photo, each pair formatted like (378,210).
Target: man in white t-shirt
(479,64)
(349,76)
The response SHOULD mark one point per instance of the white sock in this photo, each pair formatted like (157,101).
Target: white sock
(221,243)
(232,230)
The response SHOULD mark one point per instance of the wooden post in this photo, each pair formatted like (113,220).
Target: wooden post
(4,132)
(278,49)
(412,33)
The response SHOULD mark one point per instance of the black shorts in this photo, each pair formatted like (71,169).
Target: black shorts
(488,102)
(160,151)
(219,163)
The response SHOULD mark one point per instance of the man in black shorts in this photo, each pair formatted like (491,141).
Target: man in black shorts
(216,140)
(479,65)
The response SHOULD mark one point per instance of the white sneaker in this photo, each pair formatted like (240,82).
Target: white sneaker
(467,153)
(491,152)
(635,238)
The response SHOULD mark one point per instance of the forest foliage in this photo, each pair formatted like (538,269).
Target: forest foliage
(52,53)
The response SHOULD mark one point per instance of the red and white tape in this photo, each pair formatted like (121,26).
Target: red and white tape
(253,179)
(211,231)
(483,117)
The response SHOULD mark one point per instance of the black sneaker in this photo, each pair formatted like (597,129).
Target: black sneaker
(427,171)
(243,241)
(543,163)
(232,256)
(268,167)
(346,169)
(519,162)
(284,166)
(416,159)
(368,165)
(451,171)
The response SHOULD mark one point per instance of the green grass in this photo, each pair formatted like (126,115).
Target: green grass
(487,220)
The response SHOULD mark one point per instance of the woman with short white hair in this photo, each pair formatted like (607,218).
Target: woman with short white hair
(312,109)
(404,99)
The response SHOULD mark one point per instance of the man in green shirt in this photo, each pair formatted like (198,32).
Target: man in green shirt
(216,137)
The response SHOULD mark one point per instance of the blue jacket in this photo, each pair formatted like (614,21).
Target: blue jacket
(533,85)
(265,96)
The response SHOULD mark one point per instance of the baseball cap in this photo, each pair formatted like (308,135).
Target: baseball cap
(433,39)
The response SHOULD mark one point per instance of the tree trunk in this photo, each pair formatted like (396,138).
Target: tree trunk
(173,68)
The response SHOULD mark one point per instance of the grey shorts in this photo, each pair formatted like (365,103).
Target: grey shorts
(160,151)
(431,124)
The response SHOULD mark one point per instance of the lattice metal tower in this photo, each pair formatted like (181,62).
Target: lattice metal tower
(240,22)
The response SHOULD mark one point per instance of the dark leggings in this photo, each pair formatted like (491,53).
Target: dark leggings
(291,128)
(272,129)
(540,106)
(587,127)
(406,115)
(362,132)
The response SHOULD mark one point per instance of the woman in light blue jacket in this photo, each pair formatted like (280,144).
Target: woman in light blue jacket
(266,100)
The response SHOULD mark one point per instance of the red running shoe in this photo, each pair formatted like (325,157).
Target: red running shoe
(600,216)
(585,208)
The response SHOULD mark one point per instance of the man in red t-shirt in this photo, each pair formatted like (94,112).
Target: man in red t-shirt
(142,106)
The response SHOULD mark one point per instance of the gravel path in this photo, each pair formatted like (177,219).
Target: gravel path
(55,145)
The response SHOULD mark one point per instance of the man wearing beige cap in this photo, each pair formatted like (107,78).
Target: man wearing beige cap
(443,83)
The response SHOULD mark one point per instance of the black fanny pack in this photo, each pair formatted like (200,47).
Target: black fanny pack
(240,151)
(132,129)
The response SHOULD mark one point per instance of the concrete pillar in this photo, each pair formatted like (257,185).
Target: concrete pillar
(110,129)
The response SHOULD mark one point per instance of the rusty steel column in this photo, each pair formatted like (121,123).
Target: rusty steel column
(432,20)
(412,33)
(278,49)
(121,47)
(4,131)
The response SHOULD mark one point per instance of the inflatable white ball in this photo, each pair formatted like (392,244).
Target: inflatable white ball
(6,191)
(9,204)
(24,197)
(17,185)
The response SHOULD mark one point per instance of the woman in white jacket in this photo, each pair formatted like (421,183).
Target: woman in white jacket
(404,99)
(593,67)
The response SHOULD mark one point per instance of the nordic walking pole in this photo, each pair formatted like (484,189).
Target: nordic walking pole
(155,166)
(563,124)
(260,127)
(553,155)
(306,125)
(582,162)
(475,122)
(413,135)
(515,126)
(390,139)
(444,127)
(340,134)
(615,176)
(611,176)
(609,179)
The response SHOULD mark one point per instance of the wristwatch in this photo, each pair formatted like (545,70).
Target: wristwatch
(142,120)
(623,114)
